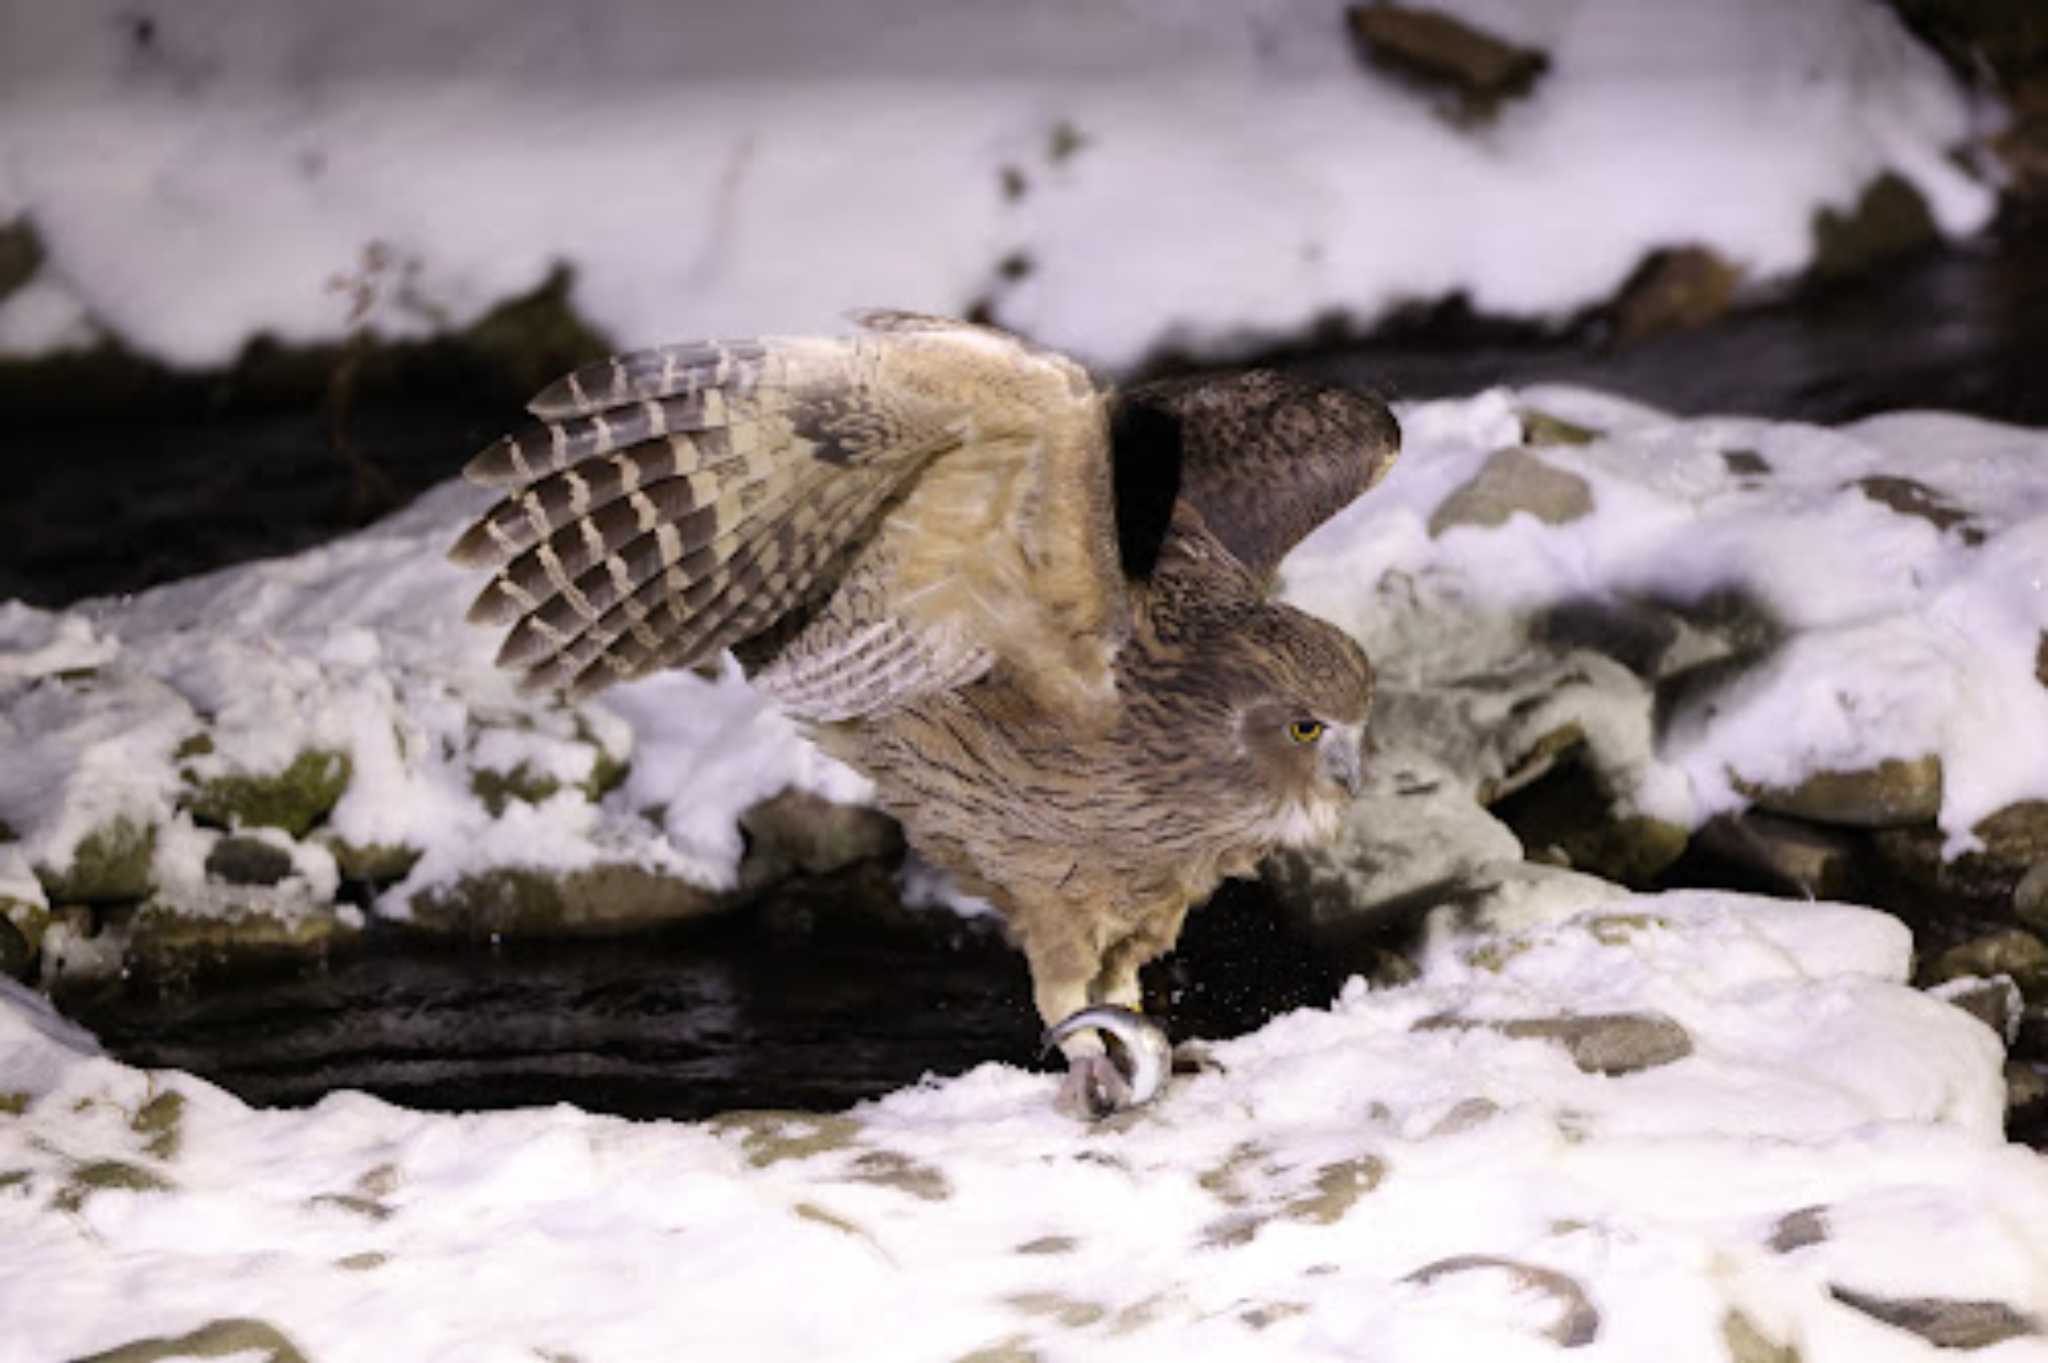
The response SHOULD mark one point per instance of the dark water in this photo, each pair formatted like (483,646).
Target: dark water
(752,1011)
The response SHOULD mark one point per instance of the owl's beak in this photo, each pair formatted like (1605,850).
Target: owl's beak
(1342,759)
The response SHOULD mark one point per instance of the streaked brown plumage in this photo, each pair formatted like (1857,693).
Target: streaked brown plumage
(1032,610)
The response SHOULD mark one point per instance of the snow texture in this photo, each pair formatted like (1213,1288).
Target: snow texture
(1156,174)
(1316,1195)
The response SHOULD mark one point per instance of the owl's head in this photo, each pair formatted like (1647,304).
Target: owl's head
(1303,731)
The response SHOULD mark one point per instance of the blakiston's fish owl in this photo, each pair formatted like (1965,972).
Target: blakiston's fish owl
(1031,609)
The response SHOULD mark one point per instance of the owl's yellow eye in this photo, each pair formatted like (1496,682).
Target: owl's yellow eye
(1305,730)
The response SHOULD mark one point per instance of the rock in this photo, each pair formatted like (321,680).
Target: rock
(1995,1002)
(294,799)
(1577,1321)
(1445,52)
(239,1337)
(1413,840)
(1910,497)
(1674,290)
(378,863)
(162,938)
(17,953)
(2030,898)
(1944,1322)
(797,832)
(2014,952)
(2026,1086)
(2016,835)
(2032,1037)
(1797,1230)
(1568,820)
(21,254)
(1599,1043)
(1889,219)
(1893,793)
(1540,428)
(248,861)
(1514,480)
(1800,857)
(110,866)
(1913,856)
(520,900)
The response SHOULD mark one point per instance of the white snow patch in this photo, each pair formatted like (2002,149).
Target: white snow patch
(1202,177)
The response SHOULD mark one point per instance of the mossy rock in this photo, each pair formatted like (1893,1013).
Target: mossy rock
(294,799)
(110,866)
(1890,219)
(1892,794)
(160,936)
(521,901)
(378,863)
(496,788)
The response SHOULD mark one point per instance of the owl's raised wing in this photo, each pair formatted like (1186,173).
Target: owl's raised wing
(869,518)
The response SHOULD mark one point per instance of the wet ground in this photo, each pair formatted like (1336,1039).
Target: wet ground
(755,1011)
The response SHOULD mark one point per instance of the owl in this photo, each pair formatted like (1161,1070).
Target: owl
(1032,608)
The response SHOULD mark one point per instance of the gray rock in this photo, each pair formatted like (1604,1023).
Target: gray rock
(1798,1229)
(1804,858)
(1599,1043)
(1577,1323)
(248,861)
(1944,1322)
(1514,480)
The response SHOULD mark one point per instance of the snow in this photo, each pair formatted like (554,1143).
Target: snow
(1196,177)
(1283,1204)
(1898,639)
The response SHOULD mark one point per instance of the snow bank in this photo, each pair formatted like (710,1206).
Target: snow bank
(1396,1177)
(1897,569)
(1154,174)
(1895,633)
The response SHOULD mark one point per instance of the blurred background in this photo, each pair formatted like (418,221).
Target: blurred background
(267,271)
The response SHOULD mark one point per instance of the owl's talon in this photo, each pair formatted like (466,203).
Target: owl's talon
(1129,1075)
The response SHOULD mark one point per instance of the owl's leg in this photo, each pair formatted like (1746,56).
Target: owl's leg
(1062,970)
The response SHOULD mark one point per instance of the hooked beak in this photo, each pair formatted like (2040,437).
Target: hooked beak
(1342,759)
